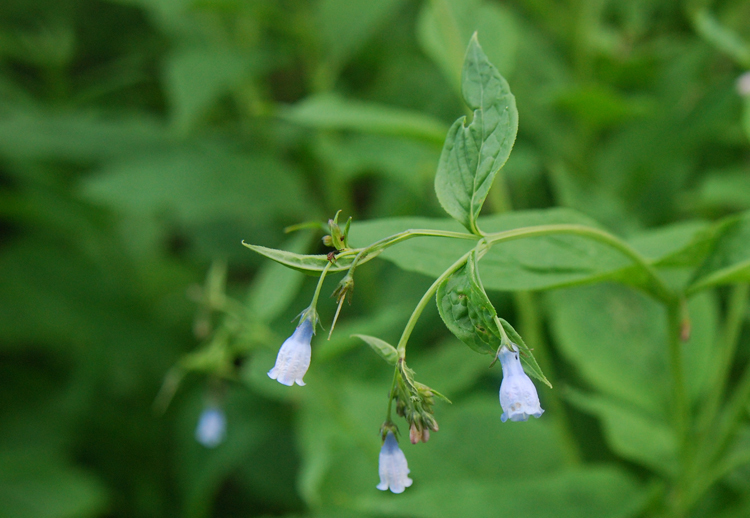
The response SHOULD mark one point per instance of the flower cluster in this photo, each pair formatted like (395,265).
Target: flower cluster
(518,396)
(414,402)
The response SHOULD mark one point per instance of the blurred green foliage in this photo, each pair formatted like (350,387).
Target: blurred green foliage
(142,140)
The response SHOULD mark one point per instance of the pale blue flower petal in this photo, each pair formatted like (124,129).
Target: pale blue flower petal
(293,359)
(518,396)
(392,466)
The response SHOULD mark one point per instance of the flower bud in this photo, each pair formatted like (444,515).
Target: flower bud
(414,434)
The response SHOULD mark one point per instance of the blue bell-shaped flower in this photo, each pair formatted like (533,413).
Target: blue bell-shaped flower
(392,467)
(294,356)
(518,395)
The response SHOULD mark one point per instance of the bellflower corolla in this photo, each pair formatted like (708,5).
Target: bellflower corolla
(212,427)
(518,395)
(294,356)
(392,468)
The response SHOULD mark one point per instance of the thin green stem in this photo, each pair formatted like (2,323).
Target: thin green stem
(732,416)
(403,236)
(681,407)
(390,395)
(314,302)
(737,307)
(679,391)
(401,347)
(659,289)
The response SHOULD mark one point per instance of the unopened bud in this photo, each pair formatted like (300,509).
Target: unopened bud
(414,434)
(328,240)
(425,435)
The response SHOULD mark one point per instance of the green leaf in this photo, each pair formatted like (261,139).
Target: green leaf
(729,258)
(528,360)
(383,348)
(633,435)
(305,263)
(604,492)
(411,163)
(35,484)
(78,136)
(345,25)
(469,314)
(615,338)
(197,77)
(333,112)
(474,153)
(722,37)
(461,316)
(198,184)
(680,244)
(727,189)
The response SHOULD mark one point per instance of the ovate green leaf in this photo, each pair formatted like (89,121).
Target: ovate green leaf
(634,435)
(470,315)
(474,153)
(330,111)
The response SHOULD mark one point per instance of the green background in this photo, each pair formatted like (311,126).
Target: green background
(142,140)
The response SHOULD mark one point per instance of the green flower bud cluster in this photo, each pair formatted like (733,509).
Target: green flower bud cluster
(414,402)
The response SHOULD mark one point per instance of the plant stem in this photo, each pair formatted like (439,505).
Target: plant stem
(390,395)
(401,348)
(737,307)
(681,407)
(314,302)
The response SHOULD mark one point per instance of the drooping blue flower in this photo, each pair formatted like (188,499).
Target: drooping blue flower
(212,427)
(294,356)
(518,395)
(392,467)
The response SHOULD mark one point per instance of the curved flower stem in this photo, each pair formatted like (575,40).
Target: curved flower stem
(659,290)
(391,394)
(314,302)
(401,347)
